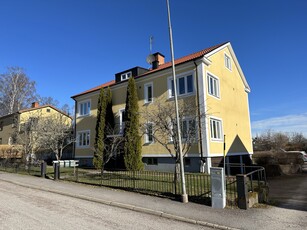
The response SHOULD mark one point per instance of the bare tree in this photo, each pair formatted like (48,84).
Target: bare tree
(48,101)
(38,133)
(28,135)
(275,141)
(162,119)
(56,133)
(17,91)
(113,145)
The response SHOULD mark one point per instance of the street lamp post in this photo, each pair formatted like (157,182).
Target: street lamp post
(184,196)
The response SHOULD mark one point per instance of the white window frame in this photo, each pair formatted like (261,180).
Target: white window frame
(146,98)
(121,121)
(147,141)
(216,81)
(187,121)
(81,110)
(228,61)
(87,134)
(125,76)
(178,78)
(216,129)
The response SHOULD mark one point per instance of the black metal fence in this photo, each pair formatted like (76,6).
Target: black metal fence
(21,168)
(198,185)
(164,184)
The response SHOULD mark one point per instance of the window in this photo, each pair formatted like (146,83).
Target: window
(216,129)
(148,93)
(188,128)
(125,76)
(152,161)
(14,121)
(187,161)
(83,138)
(185,85)
(0,141)
(48,110)
(227,62)
(121,121)
(84,108)
(213,86)
(149,133)
(1,125)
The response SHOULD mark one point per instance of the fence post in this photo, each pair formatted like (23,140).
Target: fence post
(242,191)
(43,169)
(76,172)
(56,166)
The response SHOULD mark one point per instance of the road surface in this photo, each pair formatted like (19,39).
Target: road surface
(25,208)
(290,191)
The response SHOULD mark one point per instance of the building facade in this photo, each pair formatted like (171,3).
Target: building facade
(15,124)
(211,81)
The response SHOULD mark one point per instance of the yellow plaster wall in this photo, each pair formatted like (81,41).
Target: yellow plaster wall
(232,107)
(8,128)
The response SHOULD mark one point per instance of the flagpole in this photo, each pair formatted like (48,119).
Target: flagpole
(184,196)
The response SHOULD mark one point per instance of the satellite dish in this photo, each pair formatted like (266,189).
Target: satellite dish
(150,59)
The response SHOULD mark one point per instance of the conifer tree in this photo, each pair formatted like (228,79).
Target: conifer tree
(132,147)
(100,131)
(109,117)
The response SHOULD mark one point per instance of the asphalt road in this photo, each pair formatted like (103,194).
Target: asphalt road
(25,208)
(289,191)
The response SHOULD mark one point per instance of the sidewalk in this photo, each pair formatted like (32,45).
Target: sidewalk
(257,218)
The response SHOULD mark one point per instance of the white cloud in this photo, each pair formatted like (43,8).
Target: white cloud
(290,123)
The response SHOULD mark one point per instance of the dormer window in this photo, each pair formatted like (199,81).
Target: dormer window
(125,76)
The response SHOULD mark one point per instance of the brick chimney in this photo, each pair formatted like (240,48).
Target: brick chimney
(35,105)
(159,60)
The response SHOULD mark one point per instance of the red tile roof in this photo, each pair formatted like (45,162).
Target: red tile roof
(160,67)
(41,107)
(110,83)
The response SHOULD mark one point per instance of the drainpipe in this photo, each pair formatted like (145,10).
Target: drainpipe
(198,113)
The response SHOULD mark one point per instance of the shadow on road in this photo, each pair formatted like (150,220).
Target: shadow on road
(289,191)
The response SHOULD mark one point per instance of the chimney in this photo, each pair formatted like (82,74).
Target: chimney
(35,105)
(159,60)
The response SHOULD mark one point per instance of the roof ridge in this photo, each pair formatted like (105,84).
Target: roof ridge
(180,60)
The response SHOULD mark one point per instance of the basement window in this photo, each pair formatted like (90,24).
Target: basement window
(152,161)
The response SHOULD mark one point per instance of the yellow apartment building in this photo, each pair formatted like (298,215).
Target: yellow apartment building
(211,80)
(12,123)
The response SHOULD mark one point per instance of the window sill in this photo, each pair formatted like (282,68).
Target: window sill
(215,97)
(148,143)
(82,147)
(171,98)
(216,140)
(81,116)
(148,103)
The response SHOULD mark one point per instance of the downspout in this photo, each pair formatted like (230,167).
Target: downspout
(198,113)
(74,130)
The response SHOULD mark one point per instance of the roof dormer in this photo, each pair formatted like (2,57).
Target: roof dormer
(125,75)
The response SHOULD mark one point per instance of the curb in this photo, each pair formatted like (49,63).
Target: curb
(126,206)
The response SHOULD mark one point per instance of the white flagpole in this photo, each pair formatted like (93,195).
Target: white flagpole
(184,196)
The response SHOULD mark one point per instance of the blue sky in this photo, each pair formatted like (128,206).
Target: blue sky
(69,46)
